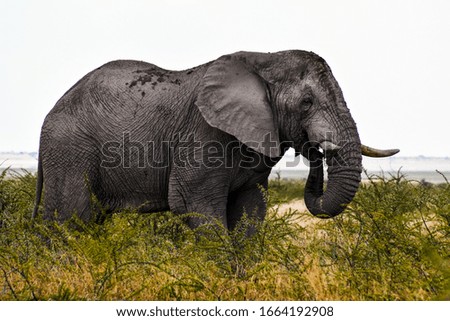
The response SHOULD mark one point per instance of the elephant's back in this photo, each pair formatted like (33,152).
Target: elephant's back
(124,94)
(127,96)
(141,82)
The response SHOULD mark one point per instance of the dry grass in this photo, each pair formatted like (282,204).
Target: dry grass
(381,248)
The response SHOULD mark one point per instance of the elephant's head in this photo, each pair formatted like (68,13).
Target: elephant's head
(289,99)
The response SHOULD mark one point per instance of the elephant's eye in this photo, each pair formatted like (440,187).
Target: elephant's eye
(306,103)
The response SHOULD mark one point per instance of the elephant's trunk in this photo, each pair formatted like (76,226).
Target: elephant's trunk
(344,176)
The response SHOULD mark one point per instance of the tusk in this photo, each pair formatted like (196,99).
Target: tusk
(373,152)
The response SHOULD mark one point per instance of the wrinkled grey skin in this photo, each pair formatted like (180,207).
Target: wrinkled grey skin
(234,101)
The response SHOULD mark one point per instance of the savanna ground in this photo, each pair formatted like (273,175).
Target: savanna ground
(392,243)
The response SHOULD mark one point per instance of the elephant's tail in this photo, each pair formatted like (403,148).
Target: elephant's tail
(39,185)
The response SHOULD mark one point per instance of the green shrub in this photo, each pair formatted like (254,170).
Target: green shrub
(391,243)
(285,190)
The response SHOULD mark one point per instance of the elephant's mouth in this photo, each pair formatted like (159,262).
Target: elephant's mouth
(326,148)
(329,148)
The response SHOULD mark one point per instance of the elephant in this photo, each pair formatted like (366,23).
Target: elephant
(130,134)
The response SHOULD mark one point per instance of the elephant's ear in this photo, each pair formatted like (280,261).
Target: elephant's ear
(234,99)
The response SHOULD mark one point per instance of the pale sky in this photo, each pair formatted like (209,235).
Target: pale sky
(391,58)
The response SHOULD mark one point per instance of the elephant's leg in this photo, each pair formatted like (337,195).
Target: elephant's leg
(69,178)
(67,193)
(202,191)
(249,200)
